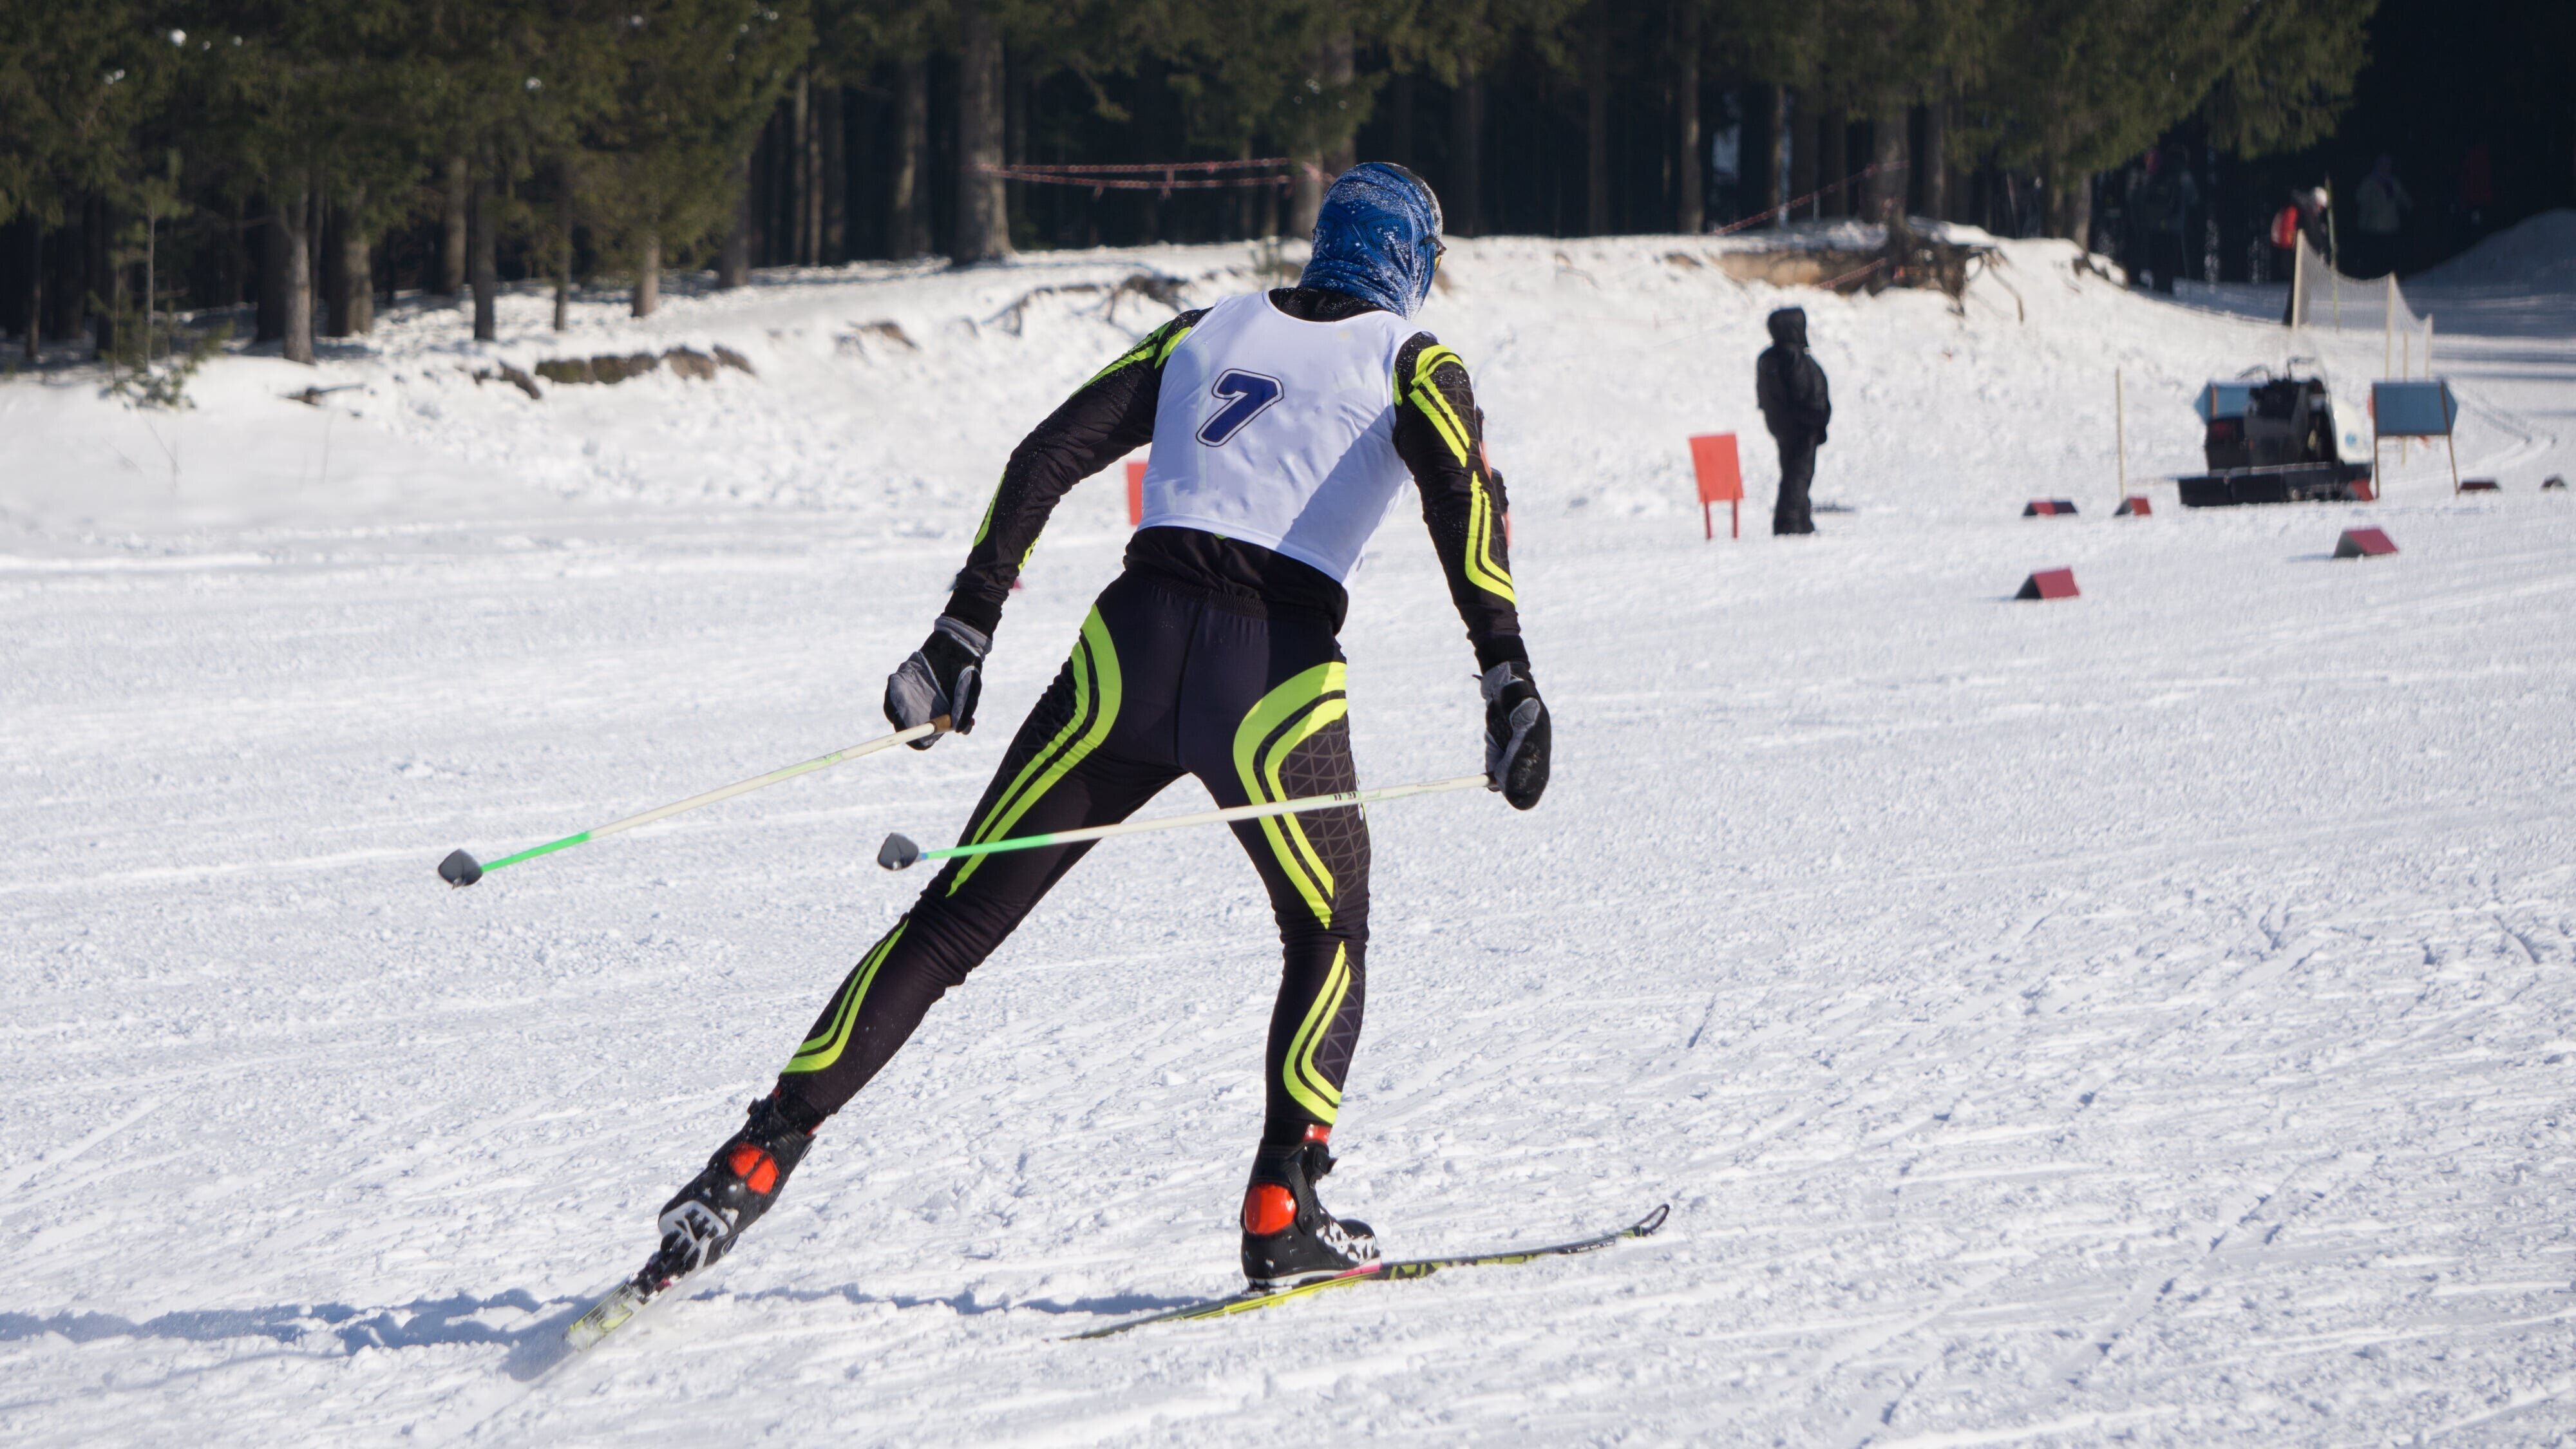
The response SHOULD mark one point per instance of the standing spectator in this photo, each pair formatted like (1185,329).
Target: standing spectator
(1791,389)
(2165,205)
(2316,224)
(2379,206)
(2477,193)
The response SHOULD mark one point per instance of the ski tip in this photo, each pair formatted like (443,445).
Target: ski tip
(1646,1225)
(897,853)
(459,869)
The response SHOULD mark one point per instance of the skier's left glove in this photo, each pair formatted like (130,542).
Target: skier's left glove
(1516,735)
(943,676)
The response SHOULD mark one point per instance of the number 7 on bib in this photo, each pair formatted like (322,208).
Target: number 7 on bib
(1250,393)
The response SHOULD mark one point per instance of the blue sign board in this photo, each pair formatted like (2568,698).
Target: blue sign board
(2413,409)
(2223,400)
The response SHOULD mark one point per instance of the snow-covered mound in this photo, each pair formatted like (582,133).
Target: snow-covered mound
(892,394)
(2141,1019)
(2537,253)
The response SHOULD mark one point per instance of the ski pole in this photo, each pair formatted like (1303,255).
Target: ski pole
(899,853)
(461,869)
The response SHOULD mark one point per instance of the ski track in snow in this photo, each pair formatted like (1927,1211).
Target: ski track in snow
(2141,1019)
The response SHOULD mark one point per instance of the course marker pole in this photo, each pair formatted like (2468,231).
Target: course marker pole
(2120,429)
(899,853)
(461,869)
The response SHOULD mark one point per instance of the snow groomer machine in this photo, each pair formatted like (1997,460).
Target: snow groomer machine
(2278,440)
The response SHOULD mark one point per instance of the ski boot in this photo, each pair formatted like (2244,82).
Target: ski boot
(700,1224)
(1288,1237)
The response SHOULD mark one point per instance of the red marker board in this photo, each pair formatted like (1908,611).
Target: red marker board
(2049,584)
(1721,480)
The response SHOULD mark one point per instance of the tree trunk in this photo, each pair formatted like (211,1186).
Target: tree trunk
(1936,160)
(1775,194)
(1596,120)
(800,170)
(482,264)
(101,271)
(1015,142)
(1887,153)
(1465,209)
(295,221)
(35,291)
(2070,204)
(329,269)
(357,262)
(733,261)
(1690,168)
(908,208)
(345,283)
(563,243)
(458,201)
(1806,133)
(1324,150)
(981,211)
(648,274)
(1833,163)
(269,320)
(1399,118)
(836,177)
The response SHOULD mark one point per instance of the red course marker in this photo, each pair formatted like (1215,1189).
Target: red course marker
(2133,506)
(2049,508)
(2363,543)
(1721,480)
(2049,584)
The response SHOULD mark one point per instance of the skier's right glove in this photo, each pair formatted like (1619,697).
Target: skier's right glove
(1516,735)
(943,676)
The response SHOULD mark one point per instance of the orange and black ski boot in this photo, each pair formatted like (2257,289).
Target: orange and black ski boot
(700,1224)
(1288,1237)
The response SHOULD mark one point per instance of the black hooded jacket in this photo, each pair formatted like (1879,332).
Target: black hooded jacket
(1788,383)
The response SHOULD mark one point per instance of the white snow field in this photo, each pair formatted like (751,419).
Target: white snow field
(2142,1019)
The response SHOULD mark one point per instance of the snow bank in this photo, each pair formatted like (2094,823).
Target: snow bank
(892,393)
(2537,253)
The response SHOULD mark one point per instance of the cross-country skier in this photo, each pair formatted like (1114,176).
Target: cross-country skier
(1282,423)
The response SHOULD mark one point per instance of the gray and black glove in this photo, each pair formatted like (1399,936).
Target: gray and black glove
(942,677)
(1516,735)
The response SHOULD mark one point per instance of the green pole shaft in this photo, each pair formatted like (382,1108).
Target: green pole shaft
(1206,817)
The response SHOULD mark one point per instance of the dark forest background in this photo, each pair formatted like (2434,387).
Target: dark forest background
(305,161)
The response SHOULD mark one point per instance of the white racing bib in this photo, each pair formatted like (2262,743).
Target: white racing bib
(1279,432)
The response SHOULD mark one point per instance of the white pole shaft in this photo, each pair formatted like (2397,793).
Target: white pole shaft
(1210,817)
(745,787)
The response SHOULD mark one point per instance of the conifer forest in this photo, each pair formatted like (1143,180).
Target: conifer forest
(301,160)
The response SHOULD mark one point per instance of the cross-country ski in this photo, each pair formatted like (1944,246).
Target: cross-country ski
(1383,1271)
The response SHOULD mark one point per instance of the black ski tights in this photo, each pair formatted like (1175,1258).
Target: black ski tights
(1162,682)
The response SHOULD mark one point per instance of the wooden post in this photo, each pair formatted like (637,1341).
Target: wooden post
(2120,429)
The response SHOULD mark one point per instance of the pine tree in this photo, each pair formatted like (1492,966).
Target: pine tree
(694,79)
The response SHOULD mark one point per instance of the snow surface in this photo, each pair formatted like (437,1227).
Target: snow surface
(2137,1019)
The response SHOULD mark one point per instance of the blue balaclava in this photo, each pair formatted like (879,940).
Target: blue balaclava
(1377,237)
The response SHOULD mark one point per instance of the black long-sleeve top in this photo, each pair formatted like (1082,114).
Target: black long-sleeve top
(1438,433)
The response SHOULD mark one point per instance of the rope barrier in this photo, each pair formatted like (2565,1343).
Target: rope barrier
(1767,215)
(1164,177)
